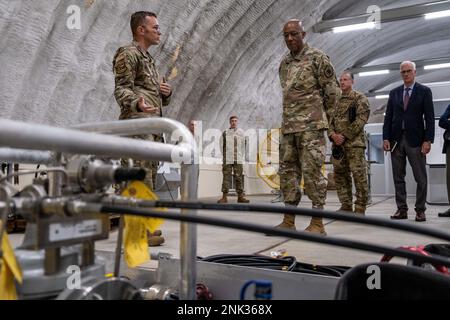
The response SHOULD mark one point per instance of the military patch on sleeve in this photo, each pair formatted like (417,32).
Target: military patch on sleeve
(120,66)
(328,71)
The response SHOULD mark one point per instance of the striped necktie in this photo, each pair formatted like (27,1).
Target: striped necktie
(406,98)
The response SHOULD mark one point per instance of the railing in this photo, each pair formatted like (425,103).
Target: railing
(14,134)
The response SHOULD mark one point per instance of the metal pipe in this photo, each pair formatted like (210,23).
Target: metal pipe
(25,156)
(55,178)
(188,235)
(189,184)
(52,258)
(140,126)
(118,256)
(41,137)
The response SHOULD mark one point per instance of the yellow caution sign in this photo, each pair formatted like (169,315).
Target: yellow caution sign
(9,271)
(135,237)
(268,159)
(268,163)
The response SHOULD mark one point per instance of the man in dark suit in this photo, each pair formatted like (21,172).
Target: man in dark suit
(444,123)
(408,132)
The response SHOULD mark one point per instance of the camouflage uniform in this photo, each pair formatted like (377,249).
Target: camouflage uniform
(354,161)
(233,141)
(136,76)
(310,92)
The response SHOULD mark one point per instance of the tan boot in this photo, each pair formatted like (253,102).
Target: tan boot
(241,199)
(316,226)
(223,199)
(345,208)
(154,238)
(360,210)
(288,222)
(155,241)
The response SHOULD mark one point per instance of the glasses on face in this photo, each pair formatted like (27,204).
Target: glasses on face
(292,34)
(406,71)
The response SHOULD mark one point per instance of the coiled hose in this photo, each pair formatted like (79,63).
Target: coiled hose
(288,263)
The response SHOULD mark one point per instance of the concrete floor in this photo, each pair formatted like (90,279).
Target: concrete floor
(214,240)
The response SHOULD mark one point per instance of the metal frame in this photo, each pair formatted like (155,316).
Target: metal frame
(17,134)
(25,156)
(227,280)
(189,184)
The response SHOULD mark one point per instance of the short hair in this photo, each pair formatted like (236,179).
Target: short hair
(408,62)
(138,19)
(300,24)
(233,117)
(349,73)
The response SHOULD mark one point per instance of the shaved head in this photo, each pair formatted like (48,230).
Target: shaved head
(293,34)
(296,23)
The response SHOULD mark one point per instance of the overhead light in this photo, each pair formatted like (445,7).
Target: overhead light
(437,66)
(352,27)
(443,99)
(438,14)
(373,73)
(437,84)
(382,96)
(428,10)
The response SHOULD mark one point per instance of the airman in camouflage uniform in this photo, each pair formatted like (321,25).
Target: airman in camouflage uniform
(138,90)
(310,92)
(233,147)
(347,130)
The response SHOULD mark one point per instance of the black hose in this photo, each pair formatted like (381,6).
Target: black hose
(348,217)
(307,236)
(167,185)
(286,263)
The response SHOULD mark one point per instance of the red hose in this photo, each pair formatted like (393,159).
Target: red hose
(418,249)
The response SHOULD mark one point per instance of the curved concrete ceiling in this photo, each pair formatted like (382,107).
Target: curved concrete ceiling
(221,56)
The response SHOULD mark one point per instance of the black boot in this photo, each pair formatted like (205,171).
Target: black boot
(445,214)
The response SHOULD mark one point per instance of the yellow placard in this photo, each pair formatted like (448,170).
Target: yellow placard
(268,160)
(9,271)
(135,236)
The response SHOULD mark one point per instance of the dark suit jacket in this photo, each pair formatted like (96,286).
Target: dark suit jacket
(444,123)
(418,118)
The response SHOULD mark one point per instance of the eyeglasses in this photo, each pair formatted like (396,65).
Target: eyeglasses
(406,71)
(293,34)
